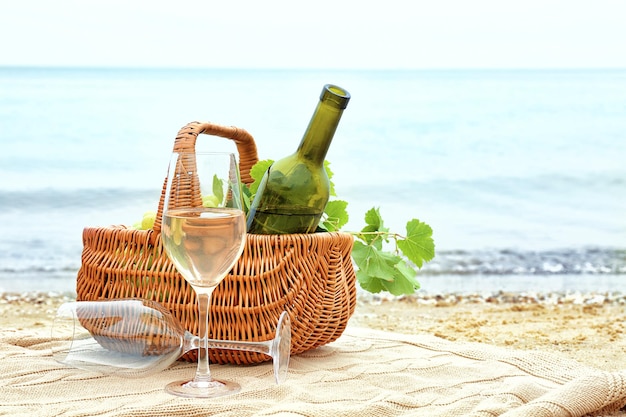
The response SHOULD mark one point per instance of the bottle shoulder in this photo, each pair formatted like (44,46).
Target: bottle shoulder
(293,162)
(296,171)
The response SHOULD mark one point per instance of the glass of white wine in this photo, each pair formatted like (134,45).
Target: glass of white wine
(203,232)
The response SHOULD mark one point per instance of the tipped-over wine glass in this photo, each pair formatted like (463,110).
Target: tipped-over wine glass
(136,338)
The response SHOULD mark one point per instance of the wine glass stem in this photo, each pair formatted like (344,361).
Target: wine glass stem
(258,347)
(203,373)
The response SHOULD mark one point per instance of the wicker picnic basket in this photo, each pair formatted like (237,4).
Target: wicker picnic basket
(309,275)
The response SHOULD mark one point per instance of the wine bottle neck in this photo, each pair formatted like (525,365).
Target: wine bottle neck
(321,129)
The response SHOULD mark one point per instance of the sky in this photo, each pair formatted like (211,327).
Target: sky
(352,34)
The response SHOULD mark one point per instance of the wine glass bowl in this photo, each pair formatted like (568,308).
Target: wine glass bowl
(204,243)
(129,338)
(203,229)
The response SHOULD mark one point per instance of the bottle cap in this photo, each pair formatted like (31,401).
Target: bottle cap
(335,94)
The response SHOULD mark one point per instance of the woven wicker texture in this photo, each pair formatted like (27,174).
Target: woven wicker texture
(310,275)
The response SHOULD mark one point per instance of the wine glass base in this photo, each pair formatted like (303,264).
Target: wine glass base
(281,347)
(202,389)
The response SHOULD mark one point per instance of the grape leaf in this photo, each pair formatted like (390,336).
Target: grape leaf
(374,262)
(381,270)
(418,245)
(373,218)
(257,172)
(374,233)
(246,197)
(404,280)
(335,215)
(368,283)
(218,188)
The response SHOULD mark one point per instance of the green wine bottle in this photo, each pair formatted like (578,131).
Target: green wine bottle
(293,193)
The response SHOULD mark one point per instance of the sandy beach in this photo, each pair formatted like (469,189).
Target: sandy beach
(588,327)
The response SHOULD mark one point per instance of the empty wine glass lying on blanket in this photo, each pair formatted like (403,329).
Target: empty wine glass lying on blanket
(136,338)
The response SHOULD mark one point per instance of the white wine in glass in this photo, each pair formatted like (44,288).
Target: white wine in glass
(204,243)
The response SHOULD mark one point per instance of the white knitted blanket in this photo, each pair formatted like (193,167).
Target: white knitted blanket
(363,373)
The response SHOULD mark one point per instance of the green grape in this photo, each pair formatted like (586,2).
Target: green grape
(210,201)
(148,220)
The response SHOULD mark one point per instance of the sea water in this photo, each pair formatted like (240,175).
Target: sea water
(520,173)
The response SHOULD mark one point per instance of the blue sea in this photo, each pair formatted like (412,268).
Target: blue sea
(520,173)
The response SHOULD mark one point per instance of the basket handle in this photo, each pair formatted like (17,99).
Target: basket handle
(186,142)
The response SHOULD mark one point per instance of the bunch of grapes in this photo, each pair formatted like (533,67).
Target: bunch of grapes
(147,222)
